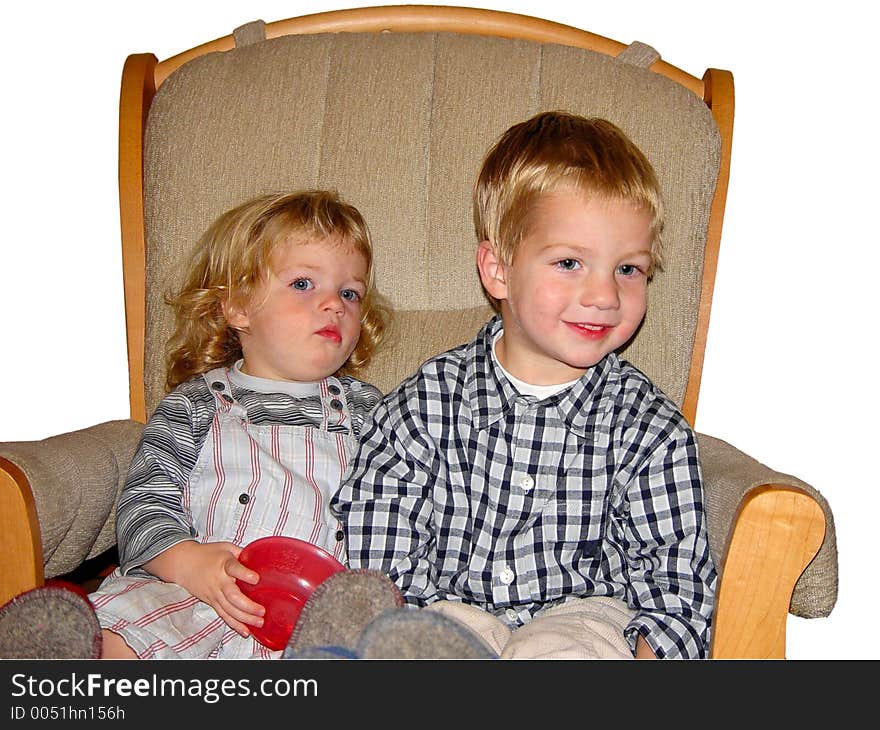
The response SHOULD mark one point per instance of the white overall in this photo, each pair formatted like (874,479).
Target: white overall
(250,481)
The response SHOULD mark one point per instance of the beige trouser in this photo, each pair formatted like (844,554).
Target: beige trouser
(582,628)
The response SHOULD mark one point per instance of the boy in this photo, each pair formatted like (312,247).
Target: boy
(531,484)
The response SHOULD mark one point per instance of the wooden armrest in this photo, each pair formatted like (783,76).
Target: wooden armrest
(777,533)
(58,501)
(21,563)
(773,541)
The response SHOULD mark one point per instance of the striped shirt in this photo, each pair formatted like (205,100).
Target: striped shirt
(465,489)
(151,515)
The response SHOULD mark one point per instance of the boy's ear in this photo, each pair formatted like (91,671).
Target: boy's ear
(493,272)
(236,315)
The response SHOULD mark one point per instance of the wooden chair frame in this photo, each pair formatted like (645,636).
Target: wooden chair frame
(740,629)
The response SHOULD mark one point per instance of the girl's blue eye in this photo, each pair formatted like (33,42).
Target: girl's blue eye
(350,295)
(302,284)
(568,264)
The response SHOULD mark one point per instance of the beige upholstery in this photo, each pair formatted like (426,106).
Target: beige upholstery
(398,122)
(75,479)
(729,475)
(407,158)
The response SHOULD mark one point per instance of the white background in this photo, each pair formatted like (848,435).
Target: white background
(790,363)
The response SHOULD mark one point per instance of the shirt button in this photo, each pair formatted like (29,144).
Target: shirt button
(244,498)
(526,482)
(507,575)
(340,536)
(511,615)
(334,390)
(355,386)
(337,404)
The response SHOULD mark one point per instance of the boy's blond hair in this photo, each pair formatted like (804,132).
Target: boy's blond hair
(553,150)
(233,258)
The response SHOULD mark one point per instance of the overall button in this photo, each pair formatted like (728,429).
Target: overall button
(334,390)
(244,498)
(336,403)
(526,482)
(340,536)
(227,398)
(217,385)
(507,575)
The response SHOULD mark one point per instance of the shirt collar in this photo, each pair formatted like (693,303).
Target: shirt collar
(265,385)
(491,394)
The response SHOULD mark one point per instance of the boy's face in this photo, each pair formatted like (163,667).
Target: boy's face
(576,289)
(305,319)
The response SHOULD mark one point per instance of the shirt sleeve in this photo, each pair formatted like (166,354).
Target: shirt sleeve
(383,501)
(362,399)
(151,517)
(671,574)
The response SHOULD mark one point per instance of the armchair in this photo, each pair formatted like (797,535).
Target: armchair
(394,106)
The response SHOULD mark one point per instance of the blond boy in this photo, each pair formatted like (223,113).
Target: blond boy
(531,484)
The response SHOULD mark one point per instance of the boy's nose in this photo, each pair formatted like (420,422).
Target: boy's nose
(600,291)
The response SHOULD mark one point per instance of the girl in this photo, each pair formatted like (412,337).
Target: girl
(278,312)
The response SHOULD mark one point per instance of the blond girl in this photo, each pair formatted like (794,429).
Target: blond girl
(276,317)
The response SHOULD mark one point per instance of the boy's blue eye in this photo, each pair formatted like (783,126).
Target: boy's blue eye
(568,264)
(350,295)
(628,270)
(302,284)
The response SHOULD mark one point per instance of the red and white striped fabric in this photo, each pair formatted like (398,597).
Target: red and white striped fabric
(250,481)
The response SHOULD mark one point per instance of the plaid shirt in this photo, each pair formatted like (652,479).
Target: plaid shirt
(464,489)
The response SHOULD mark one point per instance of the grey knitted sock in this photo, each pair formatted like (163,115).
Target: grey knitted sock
(339,608)
(419,634)
(50,622)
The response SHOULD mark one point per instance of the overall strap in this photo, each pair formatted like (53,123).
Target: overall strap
(335,407)
(221,388)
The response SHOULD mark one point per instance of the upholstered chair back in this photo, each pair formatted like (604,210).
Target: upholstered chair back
(398,124)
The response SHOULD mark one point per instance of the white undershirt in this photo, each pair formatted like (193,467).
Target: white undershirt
(539,391)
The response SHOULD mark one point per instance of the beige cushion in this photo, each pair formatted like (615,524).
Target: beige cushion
(75,479)
(398,124)
(728,476)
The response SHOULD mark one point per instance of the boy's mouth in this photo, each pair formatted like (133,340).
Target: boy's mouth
(590,330)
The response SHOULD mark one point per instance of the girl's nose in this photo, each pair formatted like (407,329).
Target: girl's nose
(333,303)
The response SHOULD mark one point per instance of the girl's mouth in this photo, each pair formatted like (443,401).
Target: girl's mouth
(330,333)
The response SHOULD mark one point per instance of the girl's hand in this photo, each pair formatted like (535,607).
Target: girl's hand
(208,571)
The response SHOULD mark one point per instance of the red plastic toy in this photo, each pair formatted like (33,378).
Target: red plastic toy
(290,570)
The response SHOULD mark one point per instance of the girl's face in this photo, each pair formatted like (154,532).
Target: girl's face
(304,321)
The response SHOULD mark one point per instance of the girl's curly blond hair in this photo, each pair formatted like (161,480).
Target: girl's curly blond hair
(233,258)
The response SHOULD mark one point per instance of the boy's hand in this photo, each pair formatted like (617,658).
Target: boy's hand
(208,571)
(643,651)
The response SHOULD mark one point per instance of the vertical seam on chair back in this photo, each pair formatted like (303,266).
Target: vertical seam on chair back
(430,131)
(322,137)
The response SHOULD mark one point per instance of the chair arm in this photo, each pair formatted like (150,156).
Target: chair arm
(58,498)
(773,541)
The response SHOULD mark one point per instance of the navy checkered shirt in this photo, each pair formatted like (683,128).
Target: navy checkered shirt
(464,489)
